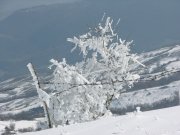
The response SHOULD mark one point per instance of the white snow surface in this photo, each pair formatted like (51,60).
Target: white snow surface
(158,122)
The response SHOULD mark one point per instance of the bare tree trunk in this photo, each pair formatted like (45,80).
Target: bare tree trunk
(38,87)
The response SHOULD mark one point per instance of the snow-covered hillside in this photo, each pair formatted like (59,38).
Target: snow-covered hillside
(148,99)
(158,122)
(18,100)
(18,97)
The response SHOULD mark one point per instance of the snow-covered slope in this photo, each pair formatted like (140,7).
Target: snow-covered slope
(18,100)
(158,122)
(18,97)
(163,59)
(147,99)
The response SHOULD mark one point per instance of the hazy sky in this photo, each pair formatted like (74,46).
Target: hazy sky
(8,7)
(36,30)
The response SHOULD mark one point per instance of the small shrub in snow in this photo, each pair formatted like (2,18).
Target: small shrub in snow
(12,126)
(83,91)
(24,130)
(10,129)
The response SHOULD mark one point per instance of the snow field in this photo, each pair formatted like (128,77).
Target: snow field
(158,122)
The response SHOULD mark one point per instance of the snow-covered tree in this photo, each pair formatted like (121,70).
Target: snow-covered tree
(83,91)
